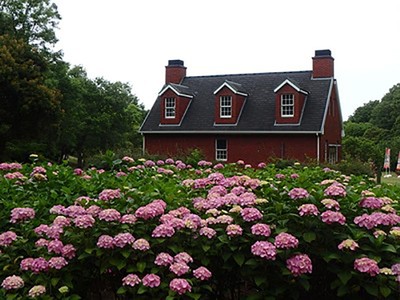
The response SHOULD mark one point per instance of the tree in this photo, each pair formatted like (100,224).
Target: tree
(384,115)
(363,113)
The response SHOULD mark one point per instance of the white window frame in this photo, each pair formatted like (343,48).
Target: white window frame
(221,154)
(287,105)
(225,106)
(170,108)
(333,154)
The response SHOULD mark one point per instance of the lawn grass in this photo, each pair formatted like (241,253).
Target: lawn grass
(391,180)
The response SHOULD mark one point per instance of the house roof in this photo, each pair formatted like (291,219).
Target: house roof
(258,113)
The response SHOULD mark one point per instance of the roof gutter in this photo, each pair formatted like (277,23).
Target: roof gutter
(230,132)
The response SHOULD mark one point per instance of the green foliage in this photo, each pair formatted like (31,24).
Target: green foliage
(237,273)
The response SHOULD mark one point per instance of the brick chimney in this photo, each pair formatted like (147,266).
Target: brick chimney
(175,71)
(323,64)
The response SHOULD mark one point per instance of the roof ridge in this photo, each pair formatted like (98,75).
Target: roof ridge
(242,74)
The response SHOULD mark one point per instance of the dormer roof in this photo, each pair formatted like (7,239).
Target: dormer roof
(295,85)
(180,90)
(236,88)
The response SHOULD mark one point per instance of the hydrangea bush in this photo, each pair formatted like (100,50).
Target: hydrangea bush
(167,230)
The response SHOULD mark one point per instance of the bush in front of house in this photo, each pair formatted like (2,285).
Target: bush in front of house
(167,230)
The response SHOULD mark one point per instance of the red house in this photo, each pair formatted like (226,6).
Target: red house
(250,117)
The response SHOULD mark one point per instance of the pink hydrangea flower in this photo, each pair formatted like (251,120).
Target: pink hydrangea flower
(286,241)
(280,176)
(109,194)
(55,246)
(331,204)
(366,265)
(57,210)
(38,265)
(26,264)
(62,221)
(20,214)
(93,210)
(264,249)
(348,244)
(123,239)
(105,241)
(74,211)
(234,230)
(208,232)
(163,230)
(371,202)
(330,217)
(41,243)
(163,259)
(180,286)
(377,218)
(37,291)
(183,257)
(308,210)
(109,215)
(128,219)
(151,210)
(68,251)
(84,221)
(298,193)
(261,229)
(12,283)
(141,245)
(250,214)
(151,280)
(335,189)
(202,273)
(131,280)
(179,268)
(57,263)
(396,269)
(299,264)
(6,238)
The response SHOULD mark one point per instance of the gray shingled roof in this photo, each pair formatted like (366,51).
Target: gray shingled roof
(258,114)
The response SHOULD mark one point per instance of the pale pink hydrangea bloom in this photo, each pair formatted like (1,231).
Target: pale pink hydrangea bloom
(141,245)
(12,283)
(183,257)
(131,280)
(348,244)
(68,251)
(163,259)
(62,221)
(280,176)
(335,189)
(26,264)
(93,210)
(54,232)
(109,215)
(331,204)
(128,159)
(396,269)
(192,221)
(57,263)
(299,264)
(123,239)
(74,210)
(377,233)
(286,241)
(84,221)
(261,229)
(38,265)
(179,268)
(202,273)
(264,249)
(151,280)
(234,230)
(128,219)
(395,231)
(149,163)
(10,166)
(20,214)
(55,246)
(57,210)
(163,230)
(330,217)
(110,194)
(247,199)
(37,291)
(120,174)
(6,238)
(376,219)
(41,243)
(366,265)
(224,219)
(151,210)
(180,286)
(294,176)
(308,210)
(14,175)
(38,170)
(105,241)
(371,202)
(208,232)
(261,165)
(251,214)
(298,193)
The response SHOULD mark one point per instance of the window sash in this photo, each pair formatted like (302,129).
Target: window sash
(221,150)
(225,106)
(170,108)
(287,105)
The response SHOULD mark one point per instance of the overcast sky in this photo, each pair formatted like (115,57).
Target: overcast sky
(132,40)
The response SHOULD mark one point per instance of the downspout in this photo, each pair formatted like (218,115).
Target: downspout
(143,144)
(317,147)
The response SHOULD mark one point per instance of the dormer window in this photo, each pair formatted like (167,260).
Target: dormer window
(225,106)
(287,105)
(170,105)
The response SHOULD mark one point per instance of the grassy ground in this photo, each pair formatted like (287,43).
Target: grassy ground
(391,180)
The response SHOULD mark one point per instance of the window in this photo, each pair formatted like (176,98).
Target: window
(332,154)
(221,150)
(225,106)
(287,105)
(170,108)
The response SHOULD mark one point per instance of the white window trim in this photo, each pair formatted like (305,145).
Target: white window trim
(221,99)
(220,150)
(287,105)
(167,108)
